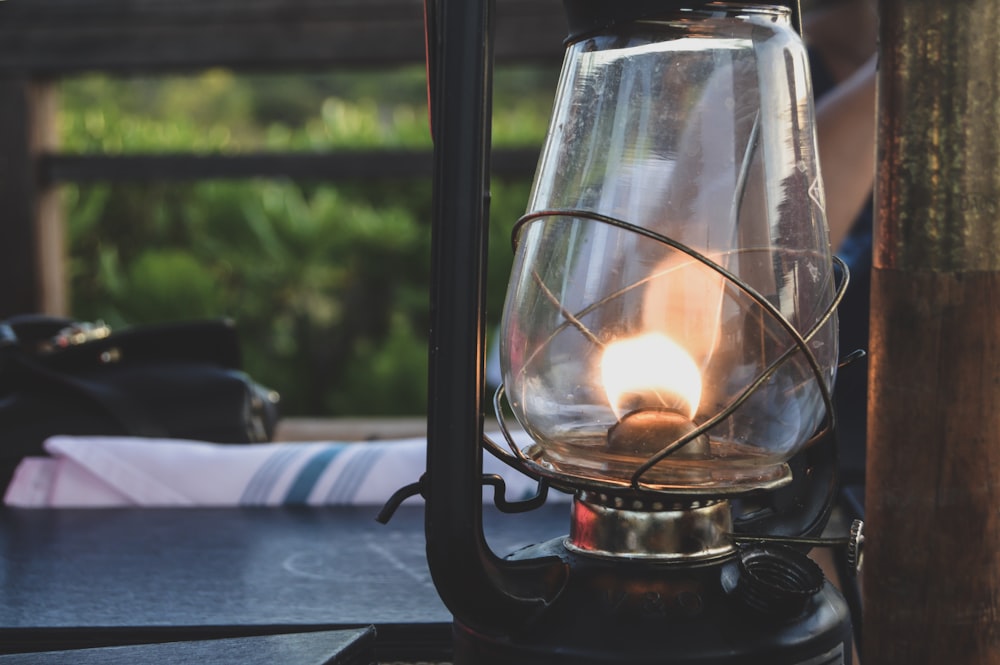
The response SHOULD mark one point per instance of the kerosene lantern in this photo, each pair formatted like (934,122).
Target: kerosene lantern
(669,344)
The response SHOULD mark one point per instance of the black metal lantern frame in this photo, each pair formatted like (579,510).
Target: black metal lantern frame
(546,605)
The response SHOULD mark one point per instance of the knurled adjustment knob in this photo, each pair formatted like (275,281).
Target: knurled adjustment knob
(855,547)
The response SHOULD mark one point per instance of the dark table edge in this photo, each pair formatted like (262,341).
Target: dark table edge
(410,641)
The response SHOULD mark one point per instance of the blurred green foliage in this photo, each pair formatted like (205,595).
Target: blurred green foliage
(328,282)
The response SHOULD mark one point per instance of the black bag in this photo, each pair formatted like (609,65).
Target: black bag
(179,380)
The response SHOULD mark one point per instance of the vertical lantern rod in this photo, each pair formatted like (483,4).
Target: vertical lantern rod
(932,571)
(472,582)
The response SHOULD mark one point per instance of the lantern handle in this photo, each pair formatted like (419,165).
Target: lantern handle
(493,480)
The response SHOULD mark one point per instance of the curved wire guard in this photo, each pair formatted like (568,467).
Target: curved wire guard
(518,459)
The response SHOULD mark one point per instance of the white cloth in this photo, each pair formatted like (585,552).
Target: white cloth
(128,471)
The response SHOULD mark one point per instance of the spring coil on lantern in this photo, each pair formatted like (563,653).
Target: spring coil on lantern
(518,460)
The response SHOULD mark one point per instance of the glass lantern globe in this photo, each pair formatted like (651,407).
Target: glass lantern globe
(668,322)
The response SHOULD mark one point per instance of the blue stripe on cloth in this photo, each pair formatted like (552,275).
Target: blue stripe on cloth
(353,474)
(306,479)
(262,482)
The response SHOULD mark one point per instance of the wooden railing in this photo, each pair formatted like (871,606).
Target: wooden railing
(45,41)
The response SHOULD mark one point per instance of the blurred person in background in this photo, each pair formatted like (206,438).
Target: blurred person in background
(841,36)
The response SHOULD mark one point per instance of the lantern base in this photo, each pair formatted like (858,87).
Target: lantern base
(626,612)
(633,528)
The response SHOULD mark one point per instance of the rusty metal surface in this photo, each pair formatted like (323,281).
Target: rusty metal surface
(931,587)
(938,193)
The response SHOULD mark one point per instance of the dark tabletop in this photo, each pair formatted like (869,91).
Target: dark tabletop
(351,646)
(93,578)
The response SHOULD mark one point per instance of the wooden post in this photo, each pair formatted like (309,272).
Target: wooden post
(49,217)
(932,577)
(19,279)
(32,253)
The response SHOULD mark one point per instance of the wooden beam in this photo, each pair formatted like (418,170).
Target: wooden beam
(59,37)
(348,165)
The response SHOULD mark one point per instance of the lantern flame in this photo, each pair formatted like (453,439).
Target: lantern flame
(650,371)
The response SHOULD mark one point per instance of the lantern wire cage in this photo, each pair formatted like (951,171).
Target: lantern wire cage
(519,461)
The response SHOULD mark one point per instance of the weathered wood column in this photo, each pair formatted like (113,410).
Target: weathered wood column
(16,258)
(932,577)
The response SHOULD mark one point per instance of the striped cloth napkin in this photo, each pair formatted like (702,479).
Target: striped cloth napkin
(127,471)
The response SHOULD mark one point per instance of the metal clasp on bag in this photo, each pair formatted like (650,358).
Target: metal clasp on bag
(73,335)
